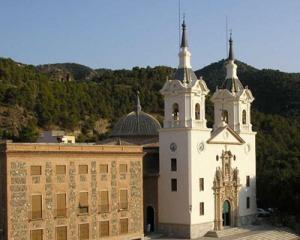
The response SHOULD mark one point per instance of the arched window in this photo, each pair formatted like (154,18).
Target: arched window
(175,111)
(225,116)
(197,111)
(244,117)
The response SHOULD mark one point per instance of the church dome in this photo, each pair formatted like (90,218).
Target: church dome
(135,124)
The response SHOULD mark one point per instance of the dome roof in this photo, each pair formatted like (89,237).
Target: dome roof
(136,123)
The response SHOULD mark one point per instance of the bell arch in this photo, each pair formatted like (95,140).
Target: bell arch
(226,188)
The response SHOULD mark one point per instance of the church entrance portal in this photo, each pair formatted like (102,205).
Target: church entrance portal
(226,213)
(150,219)
(226,191)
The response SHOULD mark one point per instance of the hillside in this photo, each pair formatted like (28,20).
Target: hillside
(39,98)
(275,92)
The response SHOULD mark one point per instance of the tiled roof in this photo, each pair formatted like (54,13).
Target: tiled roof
(136,123)
(185,73)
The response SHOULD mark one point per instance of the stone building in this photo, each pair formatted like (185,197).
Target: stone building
(62,191)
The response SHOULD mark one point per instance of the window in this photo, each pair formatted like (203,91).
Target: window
(83,203)
(124,225)
(247,181)
(248,202)
(104,229)
(197,111)
(123,168)
(201,208)
(104,204)
(60,169)
(83,169)
(173,164)
(61,233)
(174,185)
(201,184)
(225,116)
(103,168)
(84,231)
(123,199)
(244,117)
(36,170)
(36,234)
(36,207)
(61,210)
(175,112)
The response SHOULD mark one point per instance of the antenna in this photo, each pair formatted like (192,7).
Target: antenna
(226,38)
(179,23)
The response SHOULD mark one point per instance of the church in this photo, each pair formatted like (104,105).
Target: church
(196,179)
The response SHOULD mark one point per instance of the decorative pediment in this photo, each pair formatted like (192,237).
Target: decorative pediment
(171,87)
(247,94)
(174,86)
(200,87)
(225,135)
(222,94)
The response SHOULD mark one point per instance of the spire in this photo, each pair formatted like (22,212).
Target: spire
(232,82)
(138,107)
(231,55)
(184,42)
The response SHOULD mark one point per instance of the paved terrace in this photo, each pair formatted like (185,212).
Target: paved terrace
(253,232)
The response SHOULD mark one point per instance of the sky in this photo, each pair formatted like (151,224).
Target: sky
(122,34)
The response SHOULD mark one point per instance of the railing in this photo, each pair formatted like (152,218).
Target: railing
(83,210)
(36,215)
(60,213)
(123,206)
(103,208)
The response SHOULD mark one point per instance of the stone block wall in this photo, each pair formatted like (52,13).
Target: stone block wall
(21,185)
(3,205)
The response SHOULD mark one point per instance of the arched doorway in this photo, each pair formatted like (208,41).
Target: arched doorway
(150,218)
(226,191)
(226,213)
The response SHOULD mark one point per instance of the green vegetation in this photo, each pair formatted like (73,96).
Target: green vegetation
(74,97)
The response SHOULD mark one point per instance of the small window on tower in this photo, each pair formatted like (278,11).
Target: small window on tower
(201,208)
(225,116)
(175,111)
(247,181)
(174,185)
(248,202)
(201,184)
(197,111)
(244,117)
(173,164)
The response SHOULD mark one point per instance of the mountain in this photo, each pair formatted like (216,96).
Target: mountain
(88,102)
(66,71)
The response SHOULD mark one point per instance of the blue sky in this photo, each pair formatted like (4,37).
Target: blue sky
(119,34)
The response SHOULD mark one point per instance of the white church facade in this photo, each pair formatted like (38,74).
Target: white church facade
(207,177)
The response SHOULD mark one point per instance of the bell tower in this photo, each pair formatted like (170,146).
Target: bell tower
(184,96)
(232,101)
(181,141)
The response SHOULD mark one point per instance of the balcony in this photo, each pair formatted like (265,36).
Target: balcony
(83,210)
(60,213)
(36,215)
(103,208)
(123,206)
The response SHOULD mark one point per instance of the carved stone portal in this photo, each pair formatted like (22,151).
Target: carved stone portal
(226,191)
